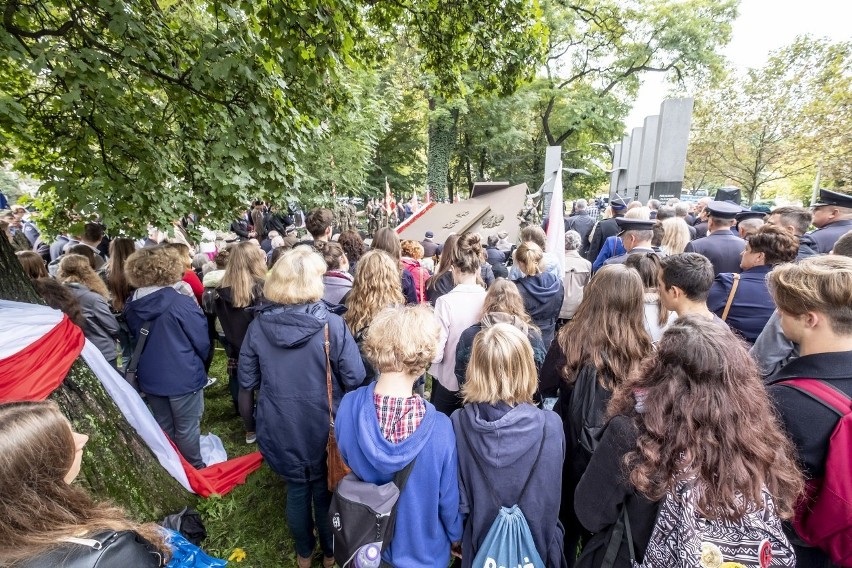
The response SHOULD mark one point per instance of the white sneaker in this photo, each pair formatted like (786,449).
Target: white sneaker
(251,437)
(210,381)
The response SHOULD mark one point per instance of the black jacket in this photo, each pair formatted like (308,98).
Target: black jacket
(606,228)
(808,423)
(108,549)
(583,224)
(241,228)
(604,490)
(235,321)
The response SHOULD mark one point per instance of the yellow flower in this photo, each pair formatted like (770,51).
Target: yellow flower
(238,555)
(711,556)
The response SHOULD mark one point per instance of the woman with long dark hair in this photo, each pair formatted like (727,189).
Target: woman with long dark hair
(120,290)
(442,280)
(45,519)
(695,425)
(591,356)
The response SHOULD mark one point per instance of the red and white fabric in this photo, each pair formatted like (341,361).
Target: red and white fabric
(38,345)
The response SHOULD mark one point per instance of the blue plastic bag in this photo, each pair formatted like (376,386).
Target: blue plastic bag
(187,555)
(509,543)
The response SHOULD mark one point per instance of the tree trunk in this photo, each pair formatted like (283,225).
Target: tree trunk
(117,464)
(442,139)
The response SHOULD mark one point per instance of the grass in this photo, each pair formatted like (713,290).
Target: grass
(251,517)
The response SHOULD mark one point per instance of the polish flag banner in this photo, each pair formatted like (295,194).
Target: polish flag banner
(38,345)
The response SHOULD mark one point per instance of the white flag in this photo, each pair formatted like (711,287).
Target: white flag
(555,243)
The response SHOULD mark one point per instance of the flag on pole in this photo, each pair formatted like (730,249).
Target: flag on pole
(427,199)
(555,242)
(387,195)
(415,204)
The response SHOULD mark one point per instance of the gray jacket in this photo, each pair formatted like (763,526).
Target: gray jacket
(772,350)
(101,326)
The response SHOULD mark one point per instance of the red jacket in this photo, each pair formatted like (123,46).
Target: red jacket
(420,275)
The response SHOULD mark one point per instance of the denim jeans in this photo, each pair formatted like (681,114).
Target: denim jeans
(301,519)
(180,419)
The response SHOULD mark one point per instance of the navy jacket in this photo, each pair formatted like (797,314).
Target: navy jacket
(505,442)
(172,363)
(283,355)
(542,296)
(752,306)
(606,228)
(825,237)
(722,248)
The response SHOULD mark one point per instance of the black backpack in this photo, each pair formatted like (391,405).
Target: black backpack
(586,417)
(363,513)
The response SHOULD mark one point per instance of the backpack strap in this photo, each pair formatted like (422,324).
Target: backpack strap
(482,474)
(731,295)
(133,364)
(822,392)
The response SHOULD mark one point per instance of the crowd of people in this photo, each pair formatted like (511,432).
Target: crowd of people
(660,370)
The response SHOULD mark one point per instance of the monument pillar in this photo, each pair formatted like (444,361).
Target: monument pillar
(633,165)
(670,154)
(646,158)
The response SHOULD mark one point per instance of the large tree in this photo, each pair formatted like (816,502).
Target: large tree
(778,121)
(599,50)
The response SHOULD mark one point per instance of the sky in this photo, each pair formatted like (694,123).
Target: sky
(762,26)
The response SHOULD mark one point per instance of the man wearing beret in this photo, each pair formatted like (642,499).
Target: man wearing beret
(720,246)
(832,219)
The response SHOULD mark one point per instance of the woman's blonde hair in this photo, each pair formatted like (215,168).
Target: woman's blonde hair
(501,368)
(245,269)
(154,266)
(37,506)
(75,268)
(377,285)
(638,212)
(675,235)
(296,278)
(528,256)
(402,339)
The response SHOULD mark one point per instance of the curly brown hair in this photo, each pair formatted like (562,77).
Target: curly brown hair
(353,245)
(155,266)
(76,268)
(705,415)
(776,244)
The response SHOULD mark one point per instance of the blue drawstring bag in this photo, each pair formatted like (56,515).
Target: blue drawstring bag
(187,555)
(509,541)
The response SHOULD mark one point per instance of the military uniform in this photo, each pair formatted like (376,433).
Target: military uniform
(752,305)
(822,240)
(825,237)
(721,247)
(623,257)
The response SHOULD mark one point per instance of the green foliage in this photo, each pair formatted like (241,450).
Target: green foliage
(778,121)
(599,50)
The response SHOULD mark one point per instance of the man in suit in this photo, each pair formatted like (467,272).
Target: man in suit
(832,218)
(606,228)
(581,222)
(720,246)
(636,235)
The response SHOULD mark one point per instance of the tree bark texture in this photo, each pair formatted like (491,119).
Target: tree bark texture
(117,465)
(442,140)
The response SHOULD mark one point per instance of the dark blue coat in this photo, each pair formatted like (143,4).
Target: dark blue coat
(825,237)
(283,355)
(172,363)
(606,228)
(752,306)
(722,248)
(542,296)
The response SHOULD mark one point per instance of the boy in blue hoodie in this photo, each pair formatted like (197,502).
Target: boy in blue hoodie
(382,427)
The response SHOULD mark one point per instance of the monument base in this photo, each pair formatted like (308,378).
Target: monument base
(665,190)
